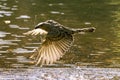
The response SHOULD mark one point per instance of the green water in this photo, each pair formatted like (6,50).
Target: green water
(98,49)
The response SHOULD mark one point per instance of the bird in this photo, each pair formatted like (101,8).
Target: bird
(56,41)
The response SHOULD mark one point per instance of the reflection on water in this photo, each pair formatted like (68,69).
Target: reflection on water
(3,34)
(99,49)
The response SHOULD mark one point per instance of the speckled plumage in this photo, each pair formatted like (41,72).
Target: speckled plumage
(58,40)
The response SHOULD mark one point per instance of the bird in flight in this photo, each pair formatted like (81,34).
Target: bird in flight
(57,40)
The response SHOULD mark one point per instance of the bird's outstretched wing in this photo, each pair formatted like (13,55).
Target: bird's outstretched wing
(36,32)
(52,50)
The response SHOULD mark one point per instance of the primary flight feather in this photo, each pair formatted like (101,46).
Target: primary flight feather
(58,40)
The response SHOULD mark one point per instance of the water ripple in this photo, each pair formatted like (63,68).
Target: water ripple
(56,12)
(22,59)
(3,42)
(3,51)
(23,17)
(14,26)
(3,34)
(15,35)
(18,27)
(21,50)
(6,13)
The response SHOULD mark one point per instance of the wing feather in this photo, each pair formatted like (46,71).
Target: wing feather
(47,56)
(52,50)
(40,56)
(36,32)
(50,54)
(57,52)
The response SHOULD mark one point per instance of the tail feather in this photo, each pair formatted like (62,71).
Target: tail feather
(91,29)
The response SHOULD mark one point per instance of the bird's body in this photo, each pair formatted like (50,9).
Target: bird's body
(58,40)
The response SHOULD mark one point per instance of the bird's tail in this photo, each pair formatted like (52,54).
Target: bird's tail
(90,29)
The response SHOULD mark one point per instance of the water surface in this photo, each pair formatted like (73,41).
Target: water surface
(98,49)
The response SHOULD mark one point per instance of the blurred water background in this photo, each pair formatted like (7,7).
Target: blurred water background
(98,49)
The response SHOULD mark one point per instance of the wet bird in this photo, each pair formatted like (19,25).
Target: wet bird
(57,40)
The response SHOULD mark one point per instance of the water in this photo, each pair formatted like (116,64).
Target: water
(60,74)
(98,49)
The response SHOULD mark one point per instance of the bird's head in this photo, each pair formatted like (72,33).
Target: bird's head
(47,25)
(43,27)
